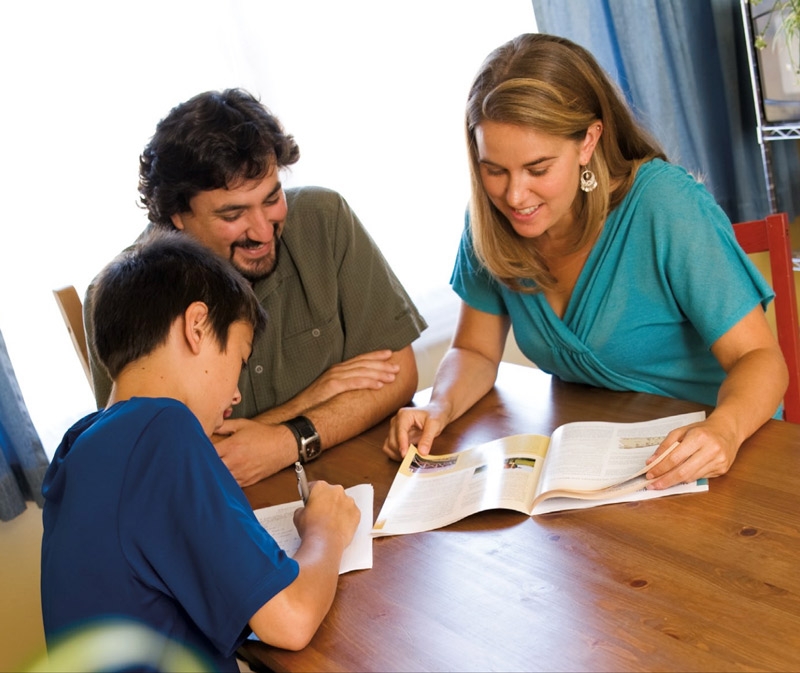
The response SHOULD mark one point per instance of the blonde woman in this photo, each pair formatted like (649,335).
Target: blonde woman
(616,268)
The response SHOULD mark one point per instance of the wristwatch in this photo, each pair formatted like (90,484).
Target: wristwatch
(308,444)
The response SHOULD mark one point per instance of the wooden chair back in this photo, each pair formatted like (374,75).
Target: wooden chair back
(771,235)
(72,311)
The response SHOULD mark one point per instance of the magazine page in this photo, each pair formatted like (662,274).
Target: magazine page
(625,494)
(279,522)
(434,491)
(595,455)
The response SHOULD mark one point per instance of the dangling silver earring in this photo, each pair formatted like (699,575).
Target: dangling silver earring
(588,181)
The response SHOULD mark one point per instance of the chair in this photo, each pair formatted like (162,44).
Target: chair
(72,311)
(772,235)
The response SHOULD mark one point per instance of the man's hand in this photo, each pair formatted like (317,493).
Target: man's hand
(253,450)
(370,371)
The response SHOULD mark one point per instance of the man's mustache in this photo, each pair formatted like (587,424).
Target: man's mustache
(247,243)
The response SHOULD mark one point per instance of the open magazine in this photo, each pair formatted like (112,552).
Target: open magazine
(582,464)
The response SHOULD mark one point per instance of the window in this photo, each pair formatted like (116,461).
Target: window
(372,91)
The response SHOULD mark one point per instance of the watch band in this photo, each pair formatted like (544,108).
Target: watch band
(308,442)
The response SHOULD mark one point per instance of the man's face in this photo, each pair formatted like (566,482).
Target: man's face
(243,224)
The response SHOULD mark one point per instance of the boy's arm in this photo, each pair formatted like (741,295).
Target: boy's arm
(326,525)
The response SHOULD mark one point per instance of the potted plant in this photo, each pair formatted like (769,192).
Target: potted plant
(776,37)
(781,19)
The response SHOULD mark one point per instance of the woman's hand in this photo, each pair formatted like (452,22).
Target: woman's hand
(755,381)
(414,425)
(705,450)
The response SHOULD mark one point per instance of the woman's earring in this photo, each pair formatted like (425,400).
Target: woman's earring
(588,181)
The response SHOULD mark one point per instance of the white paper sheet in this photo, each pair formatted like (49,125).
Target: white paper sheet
(279,522)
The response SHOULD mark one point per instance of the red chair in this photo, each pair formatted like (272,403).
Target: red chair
(772,235)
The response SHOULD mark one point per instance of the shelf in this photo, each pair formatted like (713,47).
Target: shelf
(781,131)
(768,130)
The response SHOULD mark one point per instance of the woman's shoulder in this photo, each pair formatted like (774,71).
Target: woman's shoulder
(667,175)
(671,191)
(667,204)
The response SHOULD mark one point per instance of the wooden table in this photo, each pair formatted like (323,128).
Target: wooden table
(700,582)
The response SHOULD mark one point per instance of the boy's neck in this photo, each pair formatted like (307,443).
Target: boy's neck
(150,376)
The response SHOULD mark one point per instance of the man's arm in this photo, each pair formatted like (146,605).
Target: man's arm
(261,446)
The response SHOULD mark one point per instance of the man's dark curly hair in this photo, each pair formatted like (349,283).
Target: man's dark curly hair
(209,142)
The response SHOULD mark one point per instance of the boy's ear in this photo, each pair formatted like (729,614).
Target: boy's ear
(195,325)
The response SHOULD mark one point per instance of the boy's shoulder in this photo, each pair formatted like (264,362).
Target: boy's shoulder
(137,418)
(155,436)
(141,431)
(142,407)
(163,414)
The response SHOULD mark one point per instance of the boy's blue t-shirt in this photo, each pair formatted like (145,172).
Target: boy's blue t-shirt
(143,521)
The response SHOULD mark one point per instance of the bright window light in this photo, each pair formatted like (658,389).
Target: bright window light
(372,90)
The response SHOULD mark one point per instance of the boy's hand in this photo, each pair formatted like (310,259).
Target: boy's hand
(329,512)
(326,526)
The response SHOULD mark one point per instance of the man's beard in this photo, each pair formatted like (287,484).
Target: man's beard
(259,273)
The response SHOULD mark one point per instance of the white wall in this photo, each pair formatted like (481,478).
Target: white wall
(373,91)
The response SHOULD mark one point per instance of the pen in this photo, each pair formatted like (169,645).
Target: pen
(302,482)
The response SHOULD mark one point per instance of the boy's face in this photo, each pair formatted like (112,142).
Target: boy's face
(215,400)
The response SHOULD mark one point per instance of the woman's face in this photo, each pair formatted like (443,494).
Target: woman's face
(532,178)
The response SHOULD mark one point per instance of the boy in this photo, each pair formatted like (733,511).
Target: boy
(142,520)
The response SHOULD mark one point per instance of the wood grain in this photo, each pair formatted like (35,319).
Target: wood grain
(700,582)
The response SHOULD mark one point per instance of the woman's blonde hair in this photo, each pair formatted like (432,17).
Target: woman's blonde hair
(555,87)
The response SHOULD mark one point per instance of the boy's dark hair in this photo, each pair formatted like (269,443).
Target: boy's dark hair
(209,142)
(140,294)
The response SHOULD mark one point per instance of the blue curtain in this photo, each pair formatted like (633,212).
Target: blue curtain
(23,461)
(683,68)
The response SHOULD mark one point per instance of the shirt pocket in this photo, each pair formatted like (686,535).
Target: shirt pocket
(311,349)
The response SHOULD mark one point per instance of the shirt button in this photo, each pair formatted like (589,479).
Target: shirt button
(315,332)
(259,369)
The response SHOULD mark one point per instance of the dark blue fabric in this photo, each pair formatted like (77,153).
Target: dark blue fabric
(143,521)
(23,461)
(683,67)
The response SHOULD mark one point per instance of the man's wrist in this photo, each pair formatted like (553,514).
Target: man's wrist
(306,436)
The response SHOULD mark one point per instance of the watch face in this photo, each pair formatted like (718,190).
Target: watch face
(311,447)
(308,442)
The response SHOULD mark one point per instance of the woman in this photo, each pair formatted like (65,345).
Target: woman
(616,268)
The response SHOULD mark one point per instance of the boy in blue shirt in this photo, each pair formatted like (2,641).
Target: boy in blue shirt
(142,520)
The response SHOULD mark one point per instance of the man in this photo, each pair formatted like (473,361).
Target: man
(336,357)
